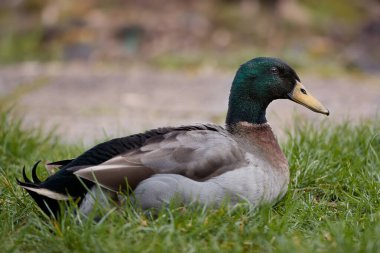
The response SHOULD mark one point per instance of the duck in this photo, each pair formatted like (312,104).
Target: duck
(197,163)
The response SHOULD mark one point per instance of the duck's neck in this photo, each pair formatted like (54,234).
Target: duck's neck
(246,111)
(244,107)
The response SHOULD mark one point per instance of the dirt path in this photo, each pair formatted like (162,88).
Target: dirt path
(86,103)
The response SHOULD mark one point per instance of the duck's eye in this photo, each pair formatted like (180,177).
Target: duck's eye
(274,70)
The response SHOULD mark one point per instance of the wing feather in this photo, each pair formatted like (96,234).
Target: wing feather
(198,154)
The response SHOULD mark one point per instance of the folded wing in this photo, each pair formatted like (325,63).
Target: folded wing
(198,153)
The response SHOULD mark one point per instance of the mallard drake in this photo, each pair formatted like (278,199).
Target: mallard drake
(202,163)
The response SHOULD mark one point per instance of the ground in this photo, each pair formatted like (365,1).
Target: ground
(86,103)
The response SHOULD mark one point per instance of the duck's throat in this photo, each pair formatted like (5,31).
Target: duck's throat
(246,111)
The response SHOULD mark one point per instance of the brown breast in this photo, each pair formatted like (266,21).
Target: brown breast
(261,139)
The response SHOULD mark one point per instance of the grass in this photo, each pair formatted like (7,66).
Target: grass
(332,204)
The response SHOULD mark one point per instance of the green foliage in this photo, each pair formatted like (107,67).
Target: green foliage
(16,47)
(332,204)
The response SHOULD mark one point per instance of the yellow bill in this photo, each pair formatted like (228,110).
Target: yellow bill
(303,97)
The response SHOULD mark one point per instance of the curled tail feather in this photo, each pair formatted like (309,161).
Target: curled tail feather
(46,199)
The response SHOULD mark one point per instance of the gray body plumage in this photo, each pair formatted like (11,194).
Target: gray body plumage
(200,166)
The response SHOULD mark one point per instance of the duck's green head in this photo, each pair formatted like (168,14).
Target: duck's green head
(260,81)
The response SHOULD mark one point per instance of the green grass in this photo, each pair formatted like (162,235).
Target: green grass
(332,204)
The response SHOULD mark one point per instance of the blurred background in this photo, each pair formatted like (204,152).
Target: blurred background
(91,68)
(183,34)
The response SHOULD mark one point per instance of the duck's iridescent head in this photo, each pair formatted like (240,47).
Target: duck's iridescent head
(262,80)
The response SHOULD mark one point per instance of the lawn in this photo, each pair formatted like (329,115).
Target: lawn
(332,204)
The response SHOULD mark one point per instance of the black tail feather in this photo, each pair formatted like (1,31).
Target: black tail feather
(56,189)
(48,205)
(36,180)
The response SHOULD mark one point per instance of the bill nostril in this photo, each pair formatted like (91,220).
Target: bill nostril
(303,91)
